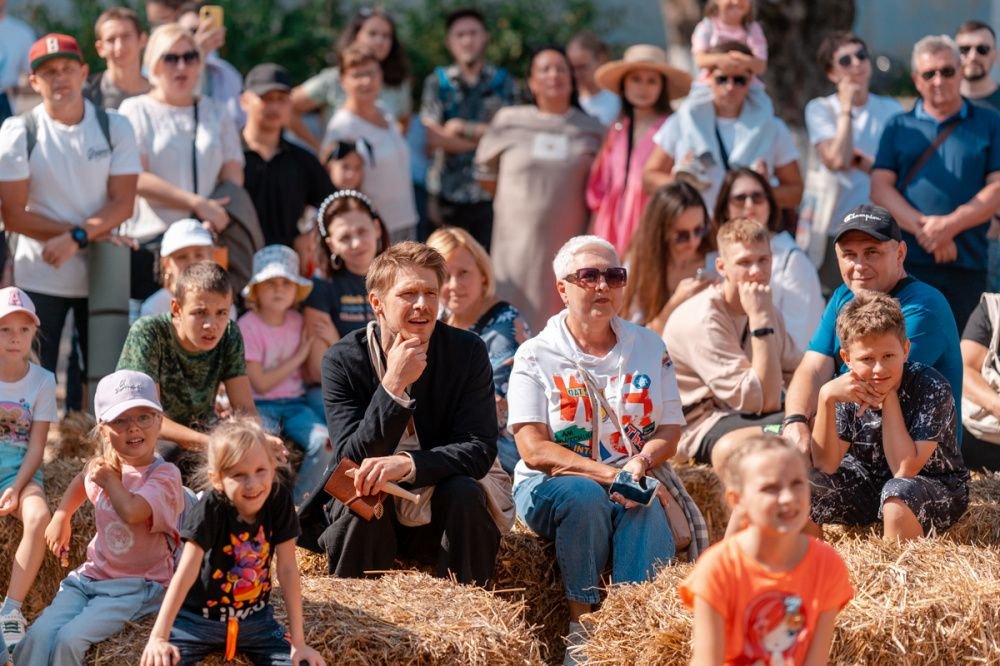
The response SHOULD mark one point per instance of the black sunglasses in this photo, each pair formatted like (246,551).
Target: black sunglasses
(189,58)
(739,80)
(845,60)
(685,235)
(981,49)
(756,198)
(591,277)
(945,72)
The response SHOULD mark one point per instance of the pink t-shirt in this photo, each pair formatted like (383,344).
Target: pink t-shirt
(711,32)
(146,550)
(269,346)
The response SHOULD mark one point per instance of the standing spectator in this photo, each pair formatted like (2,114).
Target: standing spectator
(187,144)
(67,176)
(373,30)
(845,128)
(120,41)
(535,159)
(977,45)
(161,12)
(16,38)
(586,52)
(646,84)
(282,178)
(937,173)
(219,79)
(458,103)
(387,158)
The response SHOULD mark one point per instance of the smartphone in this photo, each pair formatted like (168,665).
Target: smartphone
(641,491)
(212,14)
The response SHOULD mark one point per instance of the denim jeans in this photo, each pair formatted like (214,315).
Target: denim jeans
(4,654)
(296,420)
(508,454)
(52,311)
(85,611)
(260,638)
(588,529)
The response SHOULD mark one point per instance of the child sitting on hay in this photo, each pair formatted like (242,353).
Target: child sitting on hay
(769,594)
(885,438)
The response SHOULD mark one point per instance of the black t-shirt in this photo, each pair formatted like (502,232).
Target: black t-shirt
(282,187)
(235,578)
(344,298)
(979,328)
(991,101)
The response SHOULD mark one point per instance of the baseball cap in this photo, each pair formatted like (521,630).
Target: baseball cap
(14,300)
(875,221)
(121,391)
(185,233)
(264,78)
(53,45)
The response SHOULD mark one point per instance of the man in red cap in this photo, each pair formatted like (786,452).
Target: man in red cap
(68,174)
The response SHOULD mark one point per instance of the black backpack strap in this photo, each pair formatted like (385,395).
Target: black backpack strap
(30,131)
(105,124)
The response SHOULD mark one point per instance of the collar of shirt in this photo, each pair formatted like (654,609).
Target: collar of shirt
(454,74)
(283,145)
(921,113)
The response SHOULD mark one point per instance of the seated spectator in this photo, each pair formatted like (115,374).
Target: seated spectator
(410,400)
(469,301)
(667,255)
(220,80)
(795,286)
(730,348)
(586,53)
(345,166)
(885,442)
(981,387)
(569,454)
(277,346)
(119,40)
(186,242)
(186,149)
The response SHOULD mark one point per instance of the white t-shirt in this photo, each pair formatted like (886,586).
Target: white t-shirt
(603,105)
(165,135)
(16,38)
(637,377)
(387,166)
(29,399)
(867,123)
(795,289)
(780,152)
(68,169)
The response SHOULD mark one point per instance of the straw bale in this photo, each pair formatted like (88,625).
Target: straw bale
(310,563)
(705,488)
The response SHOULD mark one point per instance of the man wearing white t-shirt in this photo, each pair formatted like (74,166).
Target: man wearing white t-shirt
(701,146)
(66,179)
(16,38)
(845,128)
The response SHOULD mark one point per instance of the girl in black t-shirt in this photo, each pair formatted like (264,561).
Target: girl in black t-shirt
(219,598)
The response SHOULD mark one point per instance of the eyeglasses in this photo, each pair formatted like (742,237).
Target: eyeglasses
(739,80)
(945,72)
(144,421)
(189,58)
(845,60)
(981,49)
(685,235)
(756,198)
(589,278)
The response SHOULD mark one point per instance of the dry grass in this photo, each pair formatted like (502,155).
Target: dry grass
(705,489)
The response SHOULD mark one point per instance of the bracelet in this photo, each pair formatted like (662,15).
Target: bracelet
(646,458)
(761,332)
(795,418)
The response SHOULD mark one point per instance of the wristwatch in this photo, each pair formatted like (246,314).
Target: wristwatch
(79,236)
(761,332)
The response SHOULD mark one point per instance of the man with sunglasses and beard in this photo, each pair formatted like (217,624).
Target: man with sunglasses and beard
(845,128)
(977,45)
(937,171)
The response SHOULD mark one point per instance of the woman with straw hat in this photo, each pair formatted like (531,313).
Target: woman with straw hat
(646,84)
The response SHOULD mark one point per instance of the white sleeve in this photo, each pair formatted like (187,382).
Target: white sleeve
(133,111)
(13,151)
(45,408)
(821,121)
(785,150)
(232,148)
(125,152)
(671,410)
(667,136)
(799,298)
(526,400)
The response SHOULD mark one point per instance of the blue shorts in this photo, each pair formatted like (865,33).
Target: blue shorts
(11,459)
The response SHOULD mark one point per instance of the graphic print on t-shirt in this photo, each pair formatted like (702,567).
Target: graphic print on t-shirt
(247,580)
(774,624)
(15,423)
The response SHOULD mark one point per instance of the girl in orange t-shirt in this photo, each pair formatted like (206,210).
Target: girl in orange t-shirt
(769,595)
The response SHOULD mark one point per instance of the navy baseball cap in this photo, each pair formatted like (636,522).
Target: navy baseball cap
(874,221)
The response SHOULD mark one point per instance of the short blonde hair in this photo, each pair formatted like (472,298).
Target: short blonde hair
(574,246)
(732,468)
(161,41)
(870,313)
(743,231)
(228,443)
(408,254)
(449,239)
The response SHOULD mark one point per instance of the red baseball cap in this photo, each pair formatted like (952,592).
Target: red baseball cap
(54,45)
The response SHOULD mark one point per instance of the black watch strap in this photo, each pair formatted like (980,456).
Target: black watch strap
(79,235)
(795,418)
(761,332)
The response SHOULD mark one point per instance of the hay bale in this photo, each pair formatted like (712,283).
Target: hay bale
(706,490)
(71,437)
(310,563)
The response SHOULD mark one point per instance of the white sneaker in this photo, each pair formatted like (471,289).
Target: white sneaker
(13,625)
(575,640)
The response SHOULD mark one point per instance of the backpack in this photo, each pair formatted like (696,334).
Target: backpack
(447,92)
(31,128)
(191,498)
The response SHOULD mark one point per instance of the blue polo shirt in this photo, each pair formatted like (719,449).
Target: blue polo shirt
(950,178)
(930,326)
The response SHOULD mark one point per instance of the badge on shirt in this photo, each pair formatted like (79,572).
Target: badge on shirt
(548,146)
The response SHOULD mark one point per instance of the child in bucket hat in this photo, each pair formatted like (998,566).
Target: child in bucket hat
(277,345)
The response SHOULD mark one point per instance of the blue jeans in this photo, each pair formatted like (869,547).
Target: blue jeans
(295,419)
(508,454)
(85,611)
(261,638)
(4,655)
(588,529)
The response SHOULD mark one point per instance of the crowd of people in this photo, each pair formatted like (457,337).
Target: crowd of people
(527,300)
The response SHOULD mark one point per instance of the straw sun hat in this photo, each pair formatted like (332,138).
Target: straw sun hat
(643,56)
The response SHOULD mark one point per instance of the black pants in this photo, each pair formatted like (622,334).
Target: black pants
(726,425)
(476,218)
(961,287)
(979,455)
(461,539)
(52,311)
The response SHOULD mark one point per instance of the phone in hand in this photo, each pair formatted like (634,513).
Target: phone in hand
(641,491)
(212,14)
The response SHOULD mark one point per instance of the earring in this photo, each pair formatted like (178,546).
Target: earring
(336,263)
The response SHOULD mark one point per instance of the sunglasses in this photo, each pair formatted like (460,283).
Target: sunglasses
(845,60)
(945,72)
(981,49)
(144,421)
(591,277)
(685,235)
(189,58)
(756,198)
(739,80)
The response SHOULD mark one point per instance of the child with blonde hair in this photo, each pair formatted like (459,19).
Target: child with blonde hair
(185,242)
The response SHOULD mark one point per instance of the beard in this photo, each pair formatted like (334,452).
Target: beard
(974,72)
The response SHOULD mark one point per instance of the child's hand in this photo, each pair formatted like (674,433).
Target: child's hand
(850,388)
(159,652)
(58,533)
(739,59)
(308,655)
(280,451)
(8,502)
(103,474)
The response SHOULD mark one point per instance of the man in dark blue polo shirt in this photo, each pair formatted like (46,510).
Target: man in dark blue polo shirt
(870,253)
(944,201)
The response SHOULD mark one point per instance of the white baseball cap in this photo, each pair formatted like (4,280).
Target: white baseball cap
(121,391)
(185,233)
(14,300)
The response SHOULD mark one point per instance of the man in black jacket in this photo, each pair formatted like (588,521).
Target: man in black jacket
(437,385)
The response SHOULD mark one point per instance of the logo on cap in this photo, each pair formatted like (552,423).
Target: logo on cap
(863,216)
(52,45)
(15,298)
(123,385)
